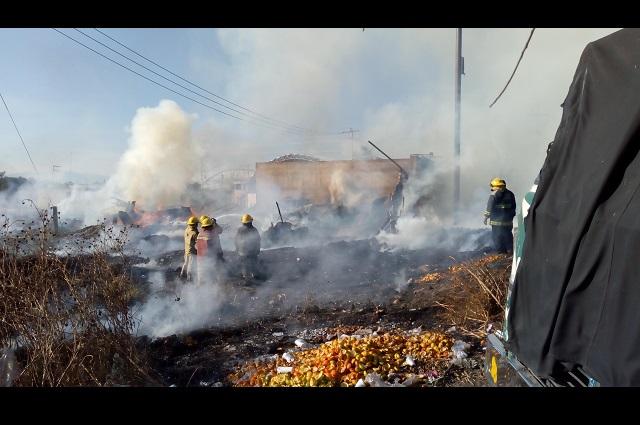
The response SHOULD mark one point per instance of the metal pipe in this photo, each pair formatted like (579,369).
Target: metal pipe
(389,158)
(456,143)
(54,217)
(281,220)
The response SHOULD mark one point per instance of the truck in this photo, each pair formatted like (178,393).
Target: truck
(571,316)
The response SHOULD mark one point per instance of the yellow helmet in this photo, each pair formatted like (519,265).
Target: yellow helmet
(246,219)
(192,220)
(202,217)
(497,182)
(207,222)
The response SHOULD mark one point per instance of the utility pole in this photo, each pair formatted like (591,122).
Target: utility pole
(459,71)
(350,131)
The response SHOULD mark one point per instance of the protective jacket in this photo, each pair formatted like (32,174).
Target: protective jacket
(501,208)
(190,236)
(247,241)
(208,242)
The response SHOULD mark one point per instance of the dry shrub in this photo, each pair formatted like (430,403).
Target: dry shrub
(477,294)
(68,317)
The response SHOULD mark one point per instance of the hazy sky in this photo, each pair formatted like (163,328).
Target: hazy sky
(396,86)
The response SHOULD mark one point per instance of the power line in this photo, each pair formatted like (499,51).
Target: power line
(19,135)
(180,85)
(196,85)
(515,69)
(162,85)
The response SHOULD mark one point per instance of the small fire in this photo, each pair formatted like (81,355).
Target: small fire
(160,215)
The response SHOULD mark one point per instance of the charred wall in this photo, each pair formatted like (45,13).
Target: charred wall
(316,181)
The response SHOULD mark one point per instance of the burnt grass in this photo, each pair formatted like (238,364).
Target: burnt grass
(308,293)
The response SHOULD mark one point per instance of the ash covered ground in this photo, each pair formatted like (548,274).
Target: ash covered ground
(199,335)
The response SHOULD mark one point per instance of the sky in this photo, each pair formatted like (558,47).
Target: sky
(395,86)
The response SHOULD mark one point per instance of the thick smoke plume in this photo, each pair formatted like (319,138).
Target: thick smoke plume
(159,163)
(155,171)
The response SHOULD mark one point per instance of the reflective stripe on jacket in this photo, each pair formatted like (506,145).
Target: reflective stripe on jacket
(501,208)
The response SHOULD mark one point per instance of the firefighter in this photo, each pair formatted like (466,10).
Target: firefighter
(210,256)
(190,250)
(501,208)
(248,247)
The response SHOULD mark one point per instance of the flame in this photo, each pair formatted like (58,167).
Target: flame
(160,215)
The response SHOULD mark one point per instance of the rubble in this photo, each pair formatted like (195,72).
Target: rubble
(331,325)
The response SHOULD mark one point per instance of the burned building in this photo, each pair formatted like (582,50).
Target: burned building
(298,179)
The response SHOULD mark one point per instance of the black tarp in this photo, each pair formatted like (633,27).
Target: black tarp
(576,297)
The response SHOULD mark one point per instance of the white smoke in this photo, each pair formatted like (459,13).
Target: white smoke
(154,171)
(160,161)
(397,85)
(188,307)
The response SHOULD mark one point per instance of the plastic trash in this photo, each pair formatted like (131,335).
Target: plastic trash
(375,380)
(284,369)
(459,349)
(432,376)
(450,330)
(302,343)
(278,334)
(409,361)
(8,367)
(411,380)
(288,357)
(360,383)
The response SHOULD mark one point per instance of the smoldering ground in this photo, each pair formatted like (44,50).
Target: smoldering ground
(339,275)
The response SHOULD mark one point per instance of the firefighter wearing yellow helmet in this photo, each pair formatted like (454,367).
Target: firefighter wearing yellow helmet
(210,255)
(501,208)
(190,250)
(247,243)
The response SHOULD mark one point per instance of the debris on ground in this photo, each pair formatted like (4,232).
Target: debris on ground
(344,362)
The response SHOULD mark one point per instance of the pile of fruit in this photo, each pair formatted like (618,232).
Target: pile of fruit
(342,362)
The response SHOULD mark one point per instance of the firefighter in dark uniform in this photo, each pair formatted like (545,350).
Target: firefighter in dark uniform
(248,247)
(501,208)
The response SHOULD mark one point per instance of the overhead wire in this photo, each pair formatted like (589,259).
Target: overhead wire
(198,86)
(19,135)
(165,87)
(186,88)
(515,69)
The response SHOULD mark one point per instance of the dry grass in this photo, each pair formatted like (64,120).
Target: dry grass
(68,317)
(477,294)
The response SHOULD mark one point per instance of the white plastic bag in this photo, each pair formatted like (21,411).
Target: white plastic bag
(288,357)
(375,380)
(284,369)
(459,351)
(302,344)
(409,361)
